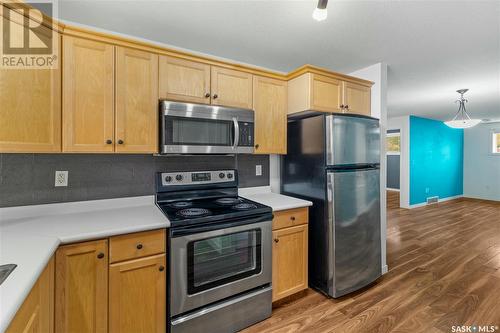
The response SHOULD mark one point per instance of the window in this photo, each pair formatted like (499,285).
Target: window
(495,135)
(393,143)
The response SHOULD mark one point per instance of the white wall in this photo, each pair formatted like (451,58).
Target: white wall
(275,173)
(378,74)
(403,124)
(481,167)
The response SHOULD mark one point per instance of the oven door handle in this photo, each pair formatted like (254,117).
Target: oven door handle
(236,133)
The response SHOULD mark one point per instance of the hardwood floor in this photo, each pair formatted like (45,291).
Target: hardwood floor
(392,200)
(444,270)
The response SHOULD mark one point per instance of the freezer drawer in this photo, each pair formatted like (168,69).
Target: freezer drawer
(354,222)
(352,140)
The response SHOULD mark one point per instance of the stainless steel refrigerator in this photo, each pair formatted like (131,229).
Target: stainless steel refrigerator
(333,161)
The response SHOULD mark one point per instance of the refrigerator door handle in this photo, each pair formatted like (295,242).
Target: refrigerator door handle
(330,229)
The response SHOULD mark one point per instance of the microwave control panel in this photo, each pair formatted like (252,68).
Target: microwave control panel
(246,134)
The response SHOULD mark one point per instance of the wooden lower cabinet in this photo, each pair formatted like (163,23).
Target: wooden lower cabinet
(82,287)
(36,314)
(137,295)
(134,297)
(289,261)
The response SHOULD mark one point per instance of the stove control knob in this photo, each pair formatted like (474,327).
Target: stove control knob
(178,177)
(222,175)
(229,175)
(168,179)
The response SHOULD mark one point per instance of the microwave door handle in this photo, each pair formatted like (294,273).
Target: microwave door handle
(236,133)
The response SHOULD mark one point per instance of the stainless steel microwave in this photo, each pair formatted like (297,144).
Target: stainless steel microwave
(188,128)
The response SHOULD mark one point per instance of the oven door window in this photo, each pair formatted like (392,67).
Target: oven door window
(198,132)
(222,259)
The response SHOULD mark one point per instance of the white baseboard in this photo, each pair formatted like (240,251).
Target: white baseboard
(392,189)
(480,198)
(385,269)
(440,200)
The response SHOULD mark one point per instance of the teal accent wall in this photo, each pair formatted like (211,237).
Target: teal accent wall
(436,160)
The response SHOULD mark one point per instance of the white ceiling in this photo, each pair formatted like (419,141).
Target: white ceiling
(431,48)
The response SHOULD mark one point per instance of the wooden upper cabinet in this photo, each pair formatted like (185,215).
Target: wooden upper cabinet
(81,300)
(36,314)
(357,98)
(137,295)
(184,80)
(30,107)
(326,93)
(270,105)
(289,261)
(88,90)
(231,88)
(136,102)
(316,92)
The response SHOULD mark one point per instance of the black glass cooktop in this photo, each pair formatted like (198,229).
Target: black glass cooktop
(208,210)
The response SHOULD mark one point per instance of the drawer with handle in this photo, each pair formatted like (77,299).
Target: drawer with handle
(136,245)
(290,218)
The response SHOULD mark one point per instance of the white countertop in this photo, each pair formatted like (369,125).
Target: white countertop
(30,235)
(277,202)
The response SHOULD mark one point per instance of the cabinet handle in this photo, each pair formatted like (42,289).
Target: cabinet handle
(207,95)
(100,255)
(120,142)
(161,268)
(139,246)
(292,218)
(109,141)
(342,106)
(347,107)
(257,146)
(276,240)
(215,96)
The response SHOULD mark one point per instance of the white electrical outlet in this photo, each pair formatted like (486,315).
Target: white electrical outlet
(61,178)
(258,170)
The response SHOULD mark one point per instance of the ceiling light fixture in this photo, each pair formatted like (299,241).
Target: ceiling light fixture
(462,118)
(320,13)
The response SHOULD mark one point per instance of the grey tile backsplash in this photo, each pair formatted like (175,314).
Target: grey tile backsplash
(28,179)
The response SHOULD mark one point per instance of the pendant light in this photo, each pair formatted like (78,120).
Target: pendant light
(320,13)
(462,118)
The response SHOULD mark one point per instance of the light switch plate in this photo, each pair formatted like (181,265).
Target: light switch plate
(61,178)
(258,170)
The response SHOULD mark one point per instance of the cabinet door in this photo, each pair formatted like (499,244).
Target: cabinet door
(88,85)
(270,100)
(184,80)
(137,295)
(30,107)
(82,287)
(289,261)
(326,93)
(36,314)
(357,98)
(136,101)
(231,88)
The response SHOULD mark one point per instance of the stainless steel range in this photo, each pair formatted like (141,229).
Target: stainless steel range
(220,252)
